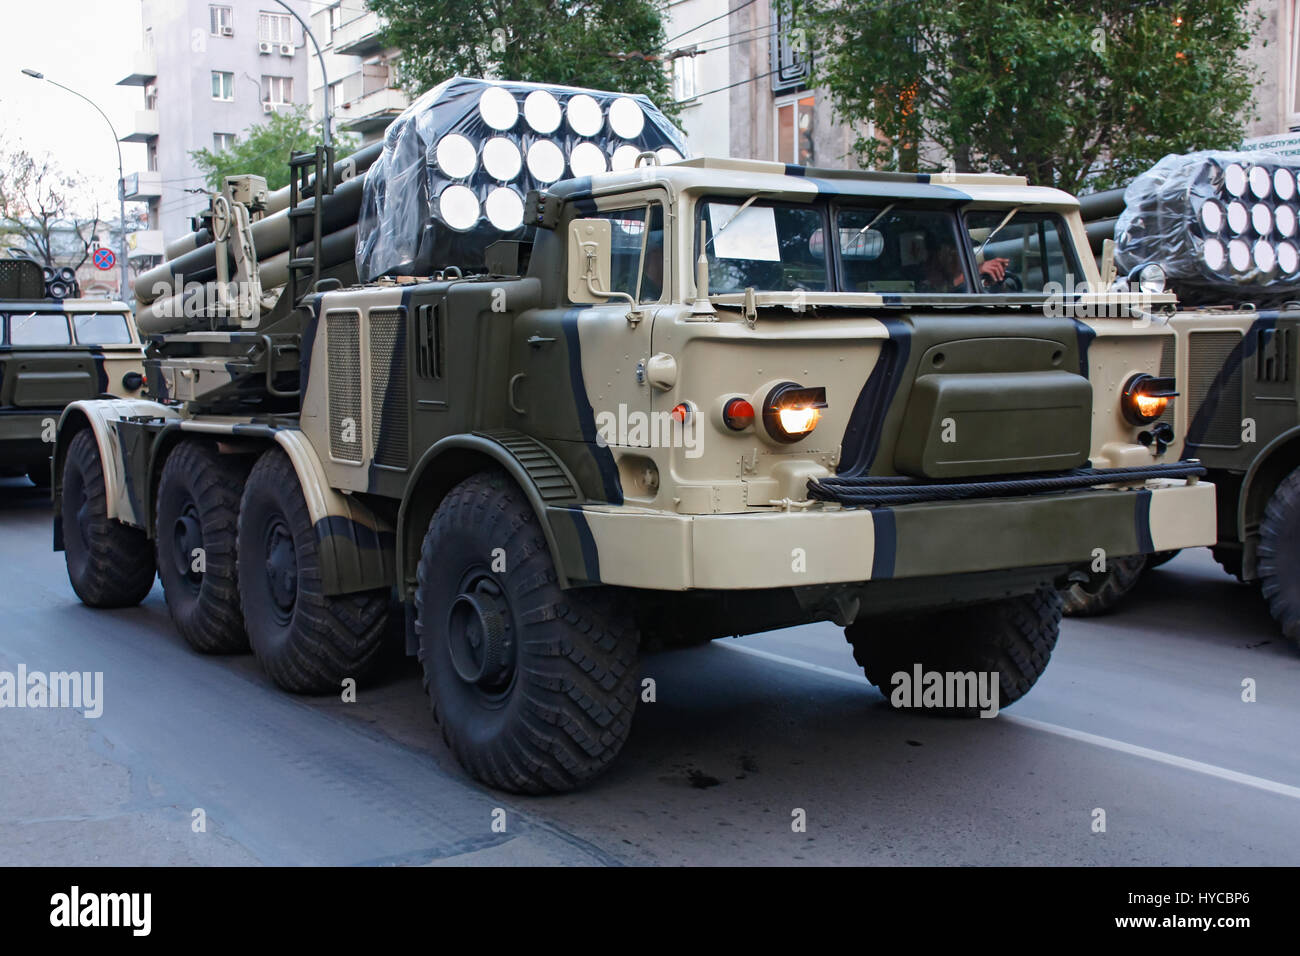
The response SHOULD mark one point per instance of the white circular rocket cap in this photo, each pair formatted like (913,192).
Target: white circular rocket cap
(1211,216)
(585,116)
(501,158)
(1284,220)
(587,159)
(1261,217)
(545,161)
(458,207)
(1234,179)
(505,209)
(1265,256)
(1261,182)
(455,156)
(1238,217)
(1288,257)
(668,155)
(1239,254)
(625,157)
(626,118)
(1284,183)
(498,108)
(542,111)
(1214,254)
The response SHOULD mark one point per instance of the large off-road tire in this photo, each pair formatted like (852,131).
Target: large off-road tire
(110,564)
(197,521)
(533,686)
(307,641)
(1103,590)
(1013,637)
(1279,555)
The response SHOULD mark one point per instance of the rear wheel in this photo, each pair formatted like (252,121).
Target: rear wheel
(533,686)
(1103,590)
(307,641)
(1012,637)
(1279,555)
(110,564)
(197,520)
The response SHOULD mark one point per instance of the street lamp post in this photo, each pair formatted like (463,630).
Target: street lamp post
(319,56)
(121,178)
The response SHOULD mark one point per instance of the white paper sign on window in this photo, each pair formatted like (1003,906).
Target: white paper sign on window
(751,236)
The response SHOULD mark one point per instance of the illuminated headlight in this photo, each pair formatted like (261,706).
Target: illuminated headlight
(1146,398)
(791,411)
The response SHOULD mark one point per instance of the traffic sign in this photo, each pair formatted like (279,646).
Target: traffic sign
(104,259)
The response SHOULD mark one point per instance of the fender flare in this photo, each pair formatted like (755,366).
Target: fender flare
(1258,463)
(538,471)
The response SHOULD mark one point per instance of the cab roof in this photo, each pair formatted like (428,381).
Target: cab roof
(712,175)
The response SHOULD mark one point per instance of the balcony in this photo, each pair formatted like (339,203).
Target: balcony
(359,37)
(144,67)
(371,112)
(145,129)
(146,242)
(143,186)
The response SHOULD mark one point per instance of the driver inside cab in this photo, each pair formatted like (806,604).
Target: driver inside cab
(943,269)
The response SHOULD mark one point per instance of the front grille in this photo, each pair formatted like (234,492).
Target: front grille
(343,336)
(1168,369)
(389,419)
(1219,422)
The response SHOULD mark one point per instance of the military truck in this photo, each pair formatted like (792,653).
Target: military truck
(696,399)
(55,350)
(1235,350)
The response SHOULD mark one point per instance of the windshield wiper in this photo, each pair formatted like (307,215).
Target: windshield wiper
(998,228)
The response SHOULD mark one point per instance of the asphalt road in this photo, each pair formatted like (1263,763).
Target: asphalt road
(1140,715)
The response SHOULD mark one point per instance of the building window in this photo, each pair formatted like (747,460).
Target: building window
(685,79)
(223,85)
(222,20)
(794,124)
(789,48)
(277,90)
(336,18)
(152,158)
(1293,101)
(222,141)
(274,28)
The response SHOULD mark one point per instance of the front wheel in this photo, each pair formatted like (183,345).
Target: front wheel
(533,686)
(1279,556)
(306,640)
(1101,591)
(110,564)
(1011,638)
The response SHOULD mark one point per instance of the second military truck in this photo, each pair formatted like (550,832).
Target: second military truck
(699,399)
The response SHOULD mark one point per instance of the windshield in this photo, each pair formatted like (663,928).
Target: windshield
(887,247)
(39,328)
(102,329)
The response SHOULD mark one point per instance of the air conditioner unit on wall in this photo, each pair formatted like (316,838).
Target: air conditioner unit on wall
(267,108)
(264,47)
(227,31)
(286,49)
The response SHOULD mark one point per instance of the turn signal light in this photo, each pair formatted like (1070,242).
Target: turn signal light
(791,411)
(738,414)
(1146,398)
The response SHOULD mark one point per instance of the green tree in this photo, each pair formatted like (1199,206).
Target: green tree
(45,210)
(600,44)
(263,149)
(1058,91)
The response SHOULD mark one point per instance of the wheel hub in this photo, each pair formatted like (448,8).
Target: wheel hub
(482,650)
(187,538)
(281,567)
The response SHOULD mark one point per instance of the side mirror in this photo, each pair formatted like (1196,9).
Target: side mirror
(589,255)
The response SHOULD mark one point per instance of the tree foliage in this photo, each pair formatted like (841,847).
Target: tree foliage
(1058,91)
(45,211)
(601,44)
(263,149)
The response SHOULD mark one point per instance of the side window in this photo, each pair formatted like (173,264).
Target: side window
(39,328)
(1028,251)
(629,230)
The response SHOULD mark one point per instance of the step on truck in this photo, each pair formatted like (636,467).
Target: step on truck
(672,402)
(56,348)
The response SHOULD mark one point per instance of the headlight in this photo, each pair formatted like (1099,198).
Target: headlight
(791,411)
(132,380)
(1149,278)
(1146,398)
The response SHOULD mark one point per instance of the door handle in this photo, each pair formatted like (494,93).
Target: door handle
(510,393)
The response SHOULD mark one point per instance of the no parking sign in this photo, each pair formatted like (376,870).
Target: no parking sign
(104,259)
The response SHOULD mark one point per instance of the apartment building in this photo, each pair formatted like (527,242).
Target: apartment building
(362,75)
(207,71)
(1276,56)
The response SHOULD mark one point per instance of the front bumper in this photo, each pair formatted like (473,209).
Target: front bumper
(643,548)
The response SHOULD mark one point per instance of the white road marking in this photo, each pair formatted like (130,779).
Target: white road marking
(1109,743)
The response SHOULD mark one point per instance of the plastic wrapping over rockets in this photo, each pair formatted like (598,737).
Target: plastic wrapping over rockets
(458,163)
(1223,225)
